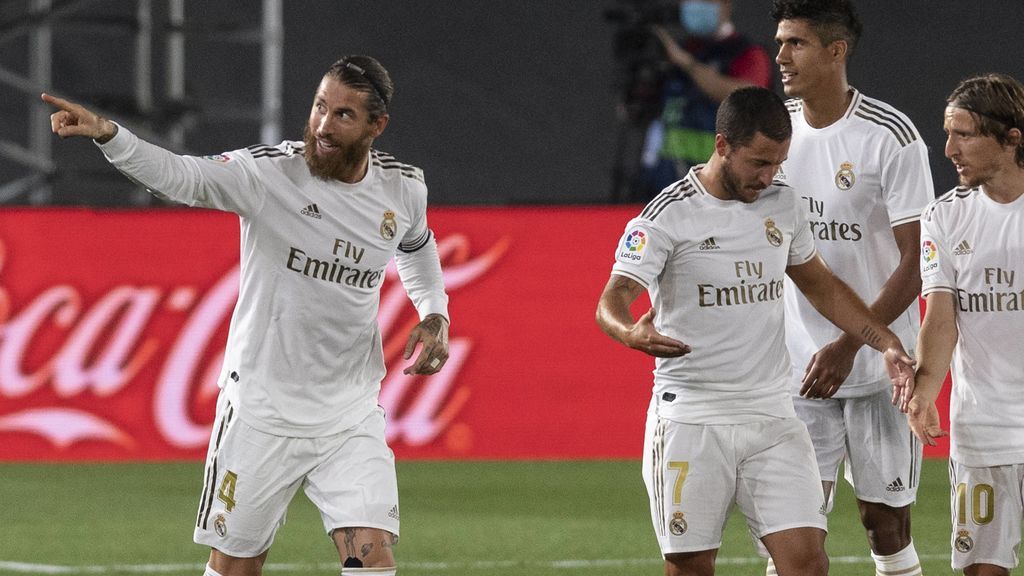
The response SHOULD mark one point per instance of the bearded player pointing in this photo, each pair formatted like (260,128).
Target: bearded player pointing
(320,220)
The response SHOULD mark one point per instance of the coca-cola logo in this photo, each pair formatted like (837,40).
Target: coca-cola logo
(113,368)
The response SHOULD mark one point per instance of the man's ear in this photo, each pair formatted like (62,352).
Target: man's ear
(380,124)
(1013,137)
(721,145)
(839,49)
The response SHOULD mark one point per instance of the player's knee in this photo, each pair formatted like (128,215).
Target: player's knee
(369,564)
(888,529)
(690,564)
(986,570)
(818,565)
(221,564)
(364,548)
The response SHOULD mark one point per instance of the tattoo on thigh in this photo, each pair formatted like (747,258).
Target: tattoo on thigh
(366,549)
(350,539)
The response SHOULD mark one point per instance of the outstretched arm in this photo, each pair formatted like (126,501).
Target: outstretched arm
(615,319)
(73,119)
(834,300)
(712,83)
(831,365)
(935,344)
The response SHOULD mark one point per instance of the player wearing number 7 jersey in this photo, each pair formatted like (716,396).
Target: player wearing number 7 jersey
(712,251)
(972,268)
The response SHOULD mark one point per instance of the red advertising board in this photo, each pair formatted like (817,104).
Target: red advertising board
(112,327)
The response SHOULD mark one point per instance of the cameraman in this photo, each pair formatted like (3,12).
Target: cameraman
(712,60)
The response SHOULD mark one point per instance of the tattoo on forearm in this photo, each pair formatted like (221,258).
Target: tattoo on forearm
(870,335)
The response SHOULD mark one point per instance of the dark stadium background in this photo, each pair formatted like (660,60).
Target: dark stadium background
(499,102)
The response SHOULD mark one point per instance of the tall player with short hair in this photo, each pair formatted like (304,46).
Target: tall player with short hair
(320,220)
(712,251)
(862,172)
(972,266)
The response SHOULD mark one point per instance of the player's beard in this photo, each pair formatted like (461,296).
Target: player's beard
(339,165)
(734,186)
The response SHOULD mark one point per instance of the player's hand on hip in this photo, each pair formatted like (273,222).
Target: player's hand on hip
(432,334)
(923,418)
(73,119)
(828,369)
(900,367)
(642,336)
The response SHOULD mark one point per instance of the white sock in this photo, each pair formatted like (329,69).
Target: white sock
(904,563)
(210,571)
(384,571)
(770,571)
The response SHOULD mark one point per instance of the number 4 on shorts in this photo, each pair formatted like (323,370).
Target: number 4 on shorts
(226,492)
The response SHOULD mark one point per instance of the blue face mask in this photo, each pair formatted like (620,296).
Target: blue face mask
(699,17)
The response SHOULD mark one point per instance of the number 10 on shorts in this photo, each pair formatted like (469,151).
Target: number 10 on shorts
(982,503)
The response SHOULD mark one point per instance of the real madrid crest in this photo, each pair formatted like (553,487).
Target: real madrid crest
(963,542)
(845,178)
(388,226)
(774,234)
(220,525)
(678,524)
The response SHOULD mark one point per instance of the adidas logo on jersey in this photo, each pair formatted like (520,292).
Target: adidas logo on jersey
(311,211)
(963,249)
(896,485)
(709,244)
(393,513)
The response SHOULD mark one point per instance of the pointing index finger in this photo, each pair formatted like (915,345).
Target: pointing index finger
(58,102)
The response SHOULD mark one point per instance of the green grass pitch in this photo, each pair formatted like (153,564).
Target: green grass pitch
(510,518)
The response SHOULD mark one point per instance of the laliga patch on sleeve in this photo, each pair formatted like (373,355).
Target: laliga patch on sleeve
(929,257)
(634,244)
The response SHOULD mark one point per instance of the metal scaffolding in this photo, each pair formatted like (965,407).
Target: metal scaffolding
(160,30)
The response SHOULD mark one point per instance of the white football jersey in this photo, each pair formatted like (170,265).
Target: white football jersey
(857,179)
(714,270)
(973,247)
(304,354)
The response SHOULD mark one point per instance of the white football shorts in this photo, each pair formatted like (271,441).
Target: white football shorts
(694,474)
(882,456)
(987,513)
(251,477)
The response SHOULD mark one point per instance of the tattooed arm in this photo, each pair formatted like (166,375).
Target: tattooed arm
(831,365)
(432,332)
(836,301)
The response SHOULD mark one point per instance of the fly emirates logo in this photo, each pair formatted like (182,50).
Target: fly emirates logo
(750,287)
(103,371)
(1000,294)
(336,271)
(822,229)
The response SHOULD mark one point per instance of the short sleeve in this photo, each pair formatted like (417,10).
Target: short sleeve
(801,249)
(937,273)
(642,251)
(907,183)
